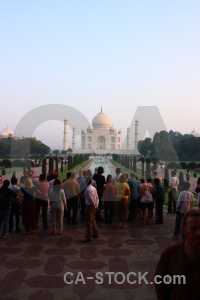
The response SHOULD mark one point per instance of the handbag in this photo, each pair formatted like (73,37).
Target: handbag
(147,197)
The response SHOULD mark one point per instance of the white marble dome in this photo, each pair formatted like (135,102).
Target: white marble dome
(7,133)
(101,120)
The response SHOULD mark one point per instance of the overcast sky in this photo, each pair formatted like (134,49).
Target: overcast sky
(88,54)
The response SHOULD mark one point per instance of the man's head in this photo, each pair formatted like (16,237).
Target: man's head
(42,177)
(13,180)
(118,171)
(155,173)
(133,175)
(191,227)
(173,173)
(80,174)
(100,170)
(6,183)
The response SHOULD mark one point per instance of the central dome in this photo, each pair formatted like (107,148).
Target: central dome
(101,120)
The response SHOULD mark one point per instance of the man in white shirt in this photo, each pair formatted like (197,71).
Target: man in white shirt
(92,202)
(185,201)
(172,193)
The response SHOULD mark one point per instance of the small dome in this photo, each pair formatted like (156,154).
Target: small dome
(101,120)
(112,128)
(90,127)
(7,132)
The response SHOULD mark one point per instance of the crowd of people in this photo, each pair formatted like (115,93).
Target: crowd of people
(116,199)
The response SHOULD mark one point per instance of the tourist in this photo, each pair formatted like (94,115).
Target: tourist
(146,200)
(159,197)
(72,191)
(58,206)
(82,181)
(121,201)
(7,196)
(133,185)
(140,187)
(109,200)
(92,202)
(197,189)
(100,181)
(181,258)
(118,174)
(41,199)
(52,176)
(23,178)
(15,206)
(68,174)
(28,205)
(172,193)
(185,201)
(89,175)
(1,180)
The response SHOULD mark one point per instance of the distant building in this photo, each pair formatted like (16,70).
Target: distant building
(100,137)
(195,133)
(6,133)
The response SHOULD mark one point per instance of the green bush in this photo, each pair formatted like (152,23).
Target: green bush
(195,175)
(3,172)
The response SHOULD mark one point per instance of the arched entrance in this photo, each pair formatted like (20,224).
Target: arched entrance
(101,142)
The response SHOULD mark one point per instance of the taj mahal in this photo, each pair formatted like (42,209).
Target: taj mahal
(101,137)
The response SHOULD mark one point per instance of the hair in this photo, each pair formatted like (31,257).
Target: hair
(28,182)
(195,213)
(118,171)
(14,180)
(89,173)
(89,181)
(100,170)
(54,176)
(68,175)
(72,175)
(84,173)
(122,178)
(42,177)
(155,172)
(149,179)
(186,185)
(173,173)
(132,174)
(6,183)
(109,178)
(126,175)
(198,180)
(142,180)
(156,181)
(57,185)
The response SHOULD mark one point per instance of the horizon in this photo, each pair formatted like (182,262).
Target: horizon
(84,54)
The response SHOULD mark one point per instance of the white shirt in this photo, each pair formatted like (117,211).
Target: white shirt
(185,200)
(91,197)
(174,182)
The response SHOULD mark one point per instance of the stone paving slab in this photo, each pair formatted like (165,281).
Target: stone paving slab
(33,267)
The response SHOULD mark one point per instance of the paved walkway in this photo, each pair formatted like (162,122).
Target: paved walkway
(33,267)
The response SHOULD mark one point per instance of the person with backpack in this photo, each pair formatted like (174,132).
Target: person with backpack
(147,200)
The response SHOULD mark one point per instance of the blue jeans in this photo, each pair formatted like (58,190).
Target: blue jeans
(4,221)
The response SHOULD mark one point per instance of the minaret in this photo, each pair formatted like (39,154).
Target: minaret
(128,138)
(73,139)
(65,138)
(136,137)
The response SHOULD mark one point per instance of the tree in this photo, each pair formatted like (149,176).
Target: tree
(146,146)
(56,152)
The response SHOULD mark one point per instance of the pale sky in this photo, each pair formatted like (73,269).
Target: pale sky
(88,54)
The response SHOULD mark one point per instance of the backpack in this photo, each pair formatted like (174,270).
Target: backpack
(146,195)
